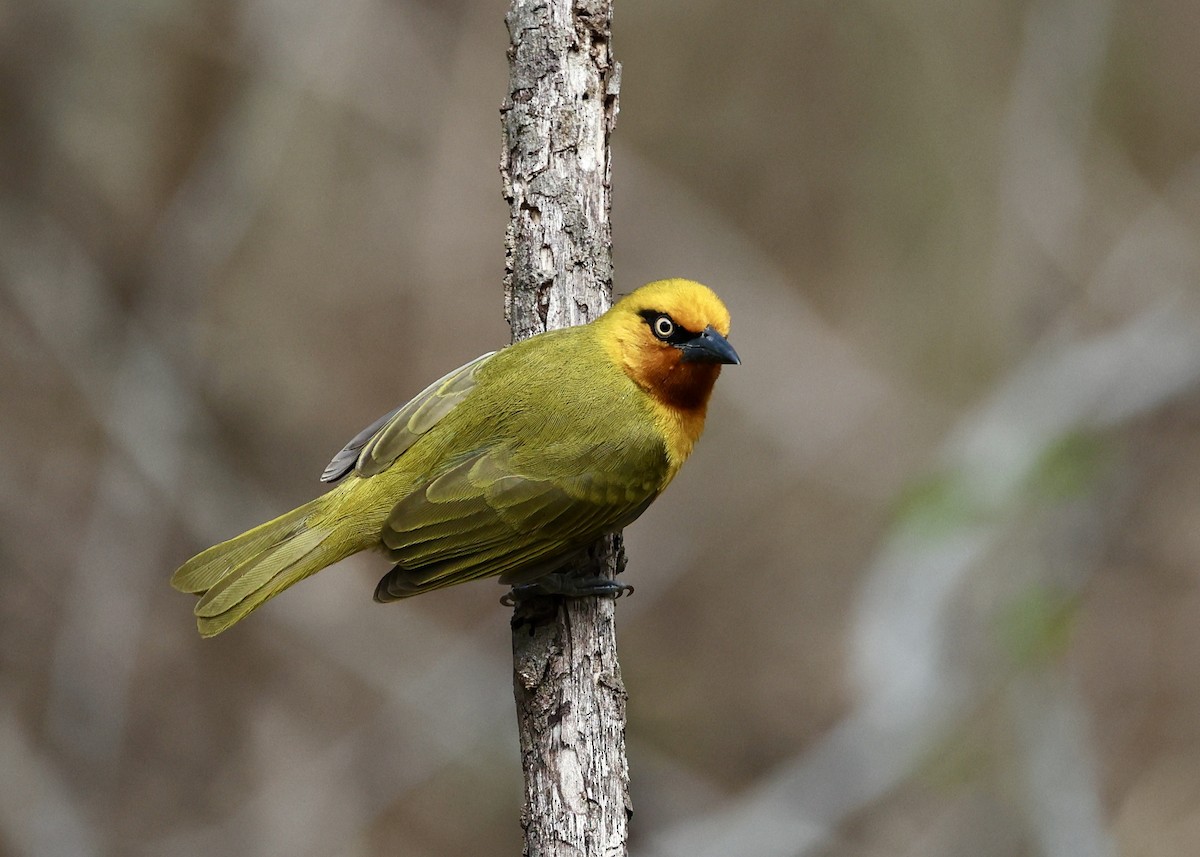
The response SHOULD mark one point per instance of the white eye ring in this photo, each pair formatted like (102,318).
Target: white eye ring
(663,327)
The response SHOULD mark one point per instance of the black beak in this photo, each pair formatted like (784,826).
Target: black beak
(709,347)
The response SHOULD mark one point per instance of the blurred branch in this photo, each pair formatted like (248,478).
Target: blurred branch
(134,396)
(558,115)
(911,694)
(904,631)
(1059,771)
(32,793)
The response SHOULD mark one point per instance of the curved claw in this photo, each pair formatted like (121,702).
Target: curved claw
(567,586)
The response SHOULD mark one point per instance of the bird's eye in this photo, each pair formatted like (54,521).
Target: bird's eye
(663,327)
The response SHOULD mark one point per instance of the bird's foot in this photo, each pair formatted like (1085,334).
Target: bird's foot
(536,604)
(567,585)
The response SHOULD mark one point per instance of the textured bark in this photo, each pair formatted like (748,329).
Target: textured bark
(562,101)
(557,119)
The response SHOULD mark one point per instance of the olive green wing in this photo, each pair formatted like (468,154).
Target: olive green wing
(487,517)
(377,446)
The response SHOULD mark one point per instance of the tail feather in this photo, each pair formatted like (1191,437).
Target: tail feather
(207,568)
(236,577)
(255,575)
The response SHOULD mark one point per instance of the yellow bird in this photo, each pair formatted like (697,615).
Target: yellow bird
(510,465)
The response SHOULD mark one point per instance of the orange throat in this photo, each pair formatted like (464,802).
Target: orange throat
(680,392)
(685,387)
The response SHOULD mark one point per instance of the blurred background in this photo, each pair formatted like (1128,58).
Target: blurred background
(929,585)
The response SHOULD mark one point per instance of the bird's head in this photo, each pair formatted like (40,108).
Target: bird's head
(669,337)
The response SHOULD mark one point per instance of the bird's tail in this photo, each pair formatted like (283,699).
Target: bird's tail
(237,576)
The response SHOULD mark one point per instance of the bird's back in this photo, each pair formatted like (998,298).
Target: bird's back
(553,447)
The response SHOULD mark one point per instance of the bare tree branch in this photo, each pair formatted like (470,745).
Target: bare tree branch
(560,109)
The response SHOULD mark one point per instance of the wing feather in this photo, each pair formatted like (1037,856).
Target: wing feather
(377,446)
(485,516)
